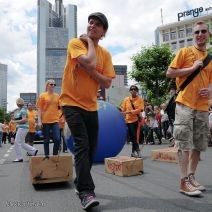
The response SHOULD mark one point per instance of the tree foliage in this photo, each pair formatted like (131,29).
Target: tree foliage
(209,50)
(4,115)
(149,69)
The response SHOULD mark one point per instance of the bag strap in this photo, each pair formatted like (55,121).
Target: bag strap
(194,74)
(133,106)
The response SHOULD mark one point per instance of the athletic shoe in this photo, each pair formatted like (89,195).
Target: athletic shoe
(195,183)
(136,154)
(76,191)
(88,201)
(18,160)
(187,188)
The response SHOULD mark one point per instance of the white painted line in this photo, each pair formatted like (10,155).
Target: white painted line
(2,161)
(9,151)
(6,155)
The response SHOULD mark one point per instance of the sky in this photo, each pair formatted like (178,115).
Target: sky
(131,25)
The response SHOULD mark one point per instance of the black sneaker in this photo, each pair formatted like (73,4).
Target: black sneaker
(88,201)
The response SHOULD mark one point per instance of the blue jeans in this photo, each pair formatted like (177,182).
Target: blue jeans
(54,130)
(84,129)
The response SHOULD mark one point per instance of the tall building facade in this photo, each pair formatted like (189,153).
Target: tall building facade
(121,79)
(3,86)
(56,26)
(179,34)
(29,98)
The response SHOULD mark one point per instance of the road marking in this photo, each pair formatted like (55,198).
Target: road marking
(6,155)
(9,151)
(2,161)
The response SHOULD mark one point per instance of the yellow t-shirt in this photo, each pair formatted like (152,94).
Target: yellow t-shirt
(48,104)
(138,103)
(31,120)
(78,88)
(190,95)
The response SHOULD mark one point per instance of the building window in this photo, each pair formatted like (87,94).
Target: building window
(173,35)
(174,45)
(190,42)
(165,36)
(188,31)
(181,43)
(181,33)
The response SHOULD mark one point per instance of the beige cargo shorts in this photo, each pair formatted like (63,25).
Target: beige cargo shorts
(190,128)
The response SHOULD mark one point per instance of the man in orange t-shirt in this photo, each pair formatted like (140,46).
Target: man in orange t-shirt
(32,115)
(131,107)
(191,114)
(5,129)
(12,129)
(88,66)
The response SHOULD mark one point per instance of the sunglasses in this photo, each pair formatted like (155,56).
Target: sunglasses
(203,31)
(52,84)
(133,89)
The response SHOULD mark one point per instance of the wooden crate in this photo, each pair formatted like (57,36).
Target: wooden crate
(166,155)
(50,170)
(124,166)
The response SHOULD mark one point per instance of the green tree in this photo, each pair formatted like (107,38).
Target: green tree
(149,69)
(210,50)
(4,115)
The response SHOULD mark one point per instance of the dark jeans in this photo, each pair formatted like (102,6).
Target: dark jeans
(54,130)
(84,129)
(151,137)
(132,129)
(62,140)
(165,126)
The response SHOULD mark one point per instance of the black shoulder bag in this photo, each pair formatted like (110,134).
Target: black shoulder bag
(170,109)
(139,117)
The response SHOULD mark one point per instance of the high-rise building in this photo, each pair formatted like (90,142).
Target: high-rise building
(28,98)
(179,34)
(121,79)
(56,25)
(3,86)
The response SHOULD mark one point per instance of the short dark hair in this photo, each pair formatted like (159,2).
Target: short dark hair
(134,87)
(101,17)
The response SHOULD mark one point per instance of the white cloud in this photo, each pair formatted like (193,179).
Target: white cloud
(131,25)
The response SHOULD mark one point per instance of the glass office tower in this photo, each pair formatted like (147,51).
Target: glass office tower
(56,26)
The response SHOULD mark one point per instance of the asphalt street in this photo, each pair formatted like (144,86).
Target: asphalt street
(155,190)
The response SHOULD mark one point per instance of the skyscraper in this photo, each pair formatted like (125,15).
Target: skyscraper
(56,25)
(3,86)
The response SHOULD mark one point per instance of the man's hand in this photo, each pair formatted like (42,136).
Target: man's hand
(197,64)
(204,92)
(84,38)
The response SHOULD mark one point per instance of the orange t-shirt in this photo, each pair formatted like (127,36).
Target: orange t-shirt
(12,126)
(190,95)
(138,103)
(78,88)
(31,120)
(48,105)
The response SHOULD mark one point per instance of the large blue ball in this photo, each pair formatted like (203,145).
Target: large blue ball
(112,132)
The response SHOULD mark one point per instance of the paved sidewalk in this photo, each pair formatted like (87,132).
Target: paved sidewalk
(155,190)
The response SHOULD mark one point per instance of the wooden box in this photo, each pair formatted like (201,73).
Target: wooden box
(124,166)
(166,155)
(50,170)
